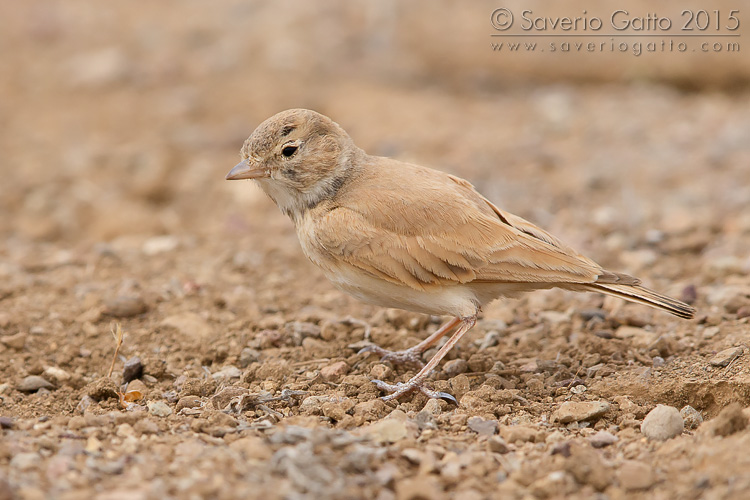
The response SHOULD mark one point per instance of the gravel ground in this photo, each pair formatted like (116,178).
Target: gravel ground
(238,375)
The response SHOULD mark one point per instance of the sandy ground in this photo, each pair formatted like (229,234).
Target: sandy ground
(118,129)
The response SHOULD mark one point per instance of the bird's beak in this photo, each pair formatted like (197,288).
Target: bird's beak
(247,170)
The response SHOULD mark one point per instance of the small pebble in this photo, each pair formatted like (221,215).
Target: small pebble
(17,341)
(125,307)
(159,408)
(132,369)
(723,358)
(571,411)
(662,423)
(497,444)
(455,367)
(602,439)
(334,371)
(33,383)
(691,417)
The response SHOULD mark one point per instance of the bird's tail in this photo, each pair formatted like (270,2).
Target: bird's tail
(642,295)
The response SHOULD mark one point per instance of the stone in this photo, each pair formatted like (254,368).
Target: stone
(227,373)
(496,444)
(188,402)
(159,409)
(662,423)
(335,371)
(723,358)
(56,374)
(481,426)
(571,411)
(634,475)
(691,417)
(132,369)
(455,367)
(33,383)
(190,324)
(388,430)
(16,342)
(602,439)
(522,433)
(125,307)
(225,396)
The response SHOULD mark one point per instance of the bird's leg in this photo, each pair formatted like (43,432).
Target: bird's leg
(412,354)
(417,381)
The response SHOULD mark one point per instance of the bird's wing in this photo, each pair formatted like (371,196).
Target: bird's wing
(441,232)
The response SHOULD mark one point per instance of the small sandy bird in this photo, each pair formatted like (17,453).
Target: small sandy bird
(400,235)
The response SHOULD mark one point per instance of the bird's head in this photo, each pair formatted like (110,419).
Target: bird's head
(298,157)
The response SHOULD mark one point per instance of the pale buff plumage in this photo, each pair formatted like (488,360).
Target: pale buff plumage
(400,235)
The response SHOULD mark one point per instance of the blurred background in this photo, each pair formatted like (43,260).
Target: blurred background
(119,122)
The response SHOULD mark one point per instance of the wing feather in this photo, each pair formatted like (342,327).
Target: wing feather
(449,235)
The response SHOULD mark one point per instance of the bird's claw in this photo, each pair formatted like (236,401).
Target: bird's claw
(405,357)
(399,389)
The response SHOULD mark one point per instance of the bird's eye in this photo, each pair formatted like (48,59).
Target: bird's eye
(289,151)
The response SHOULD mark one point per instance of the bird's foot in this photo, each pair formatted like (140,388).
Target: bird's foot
(415,384)
(407,356)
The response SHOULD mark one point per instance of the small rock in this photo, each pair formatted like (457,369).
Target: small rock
(497,444)
(313,405)
(17,341)
(729,421)
(334,371)
(33,383)
(227,373)
(481,426)
(689,294)
(188,402)
(132,369)
(743,312)
(723,358)
(190,324)
(125,307)
(56,374)
(223,398)
(522,434)
(84,404)
(602,439)
(635,475)
(388,430)
(6,423)
(662,423)
(159,408)
(691,417)
(571,411)
(455,367)
(102,388)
